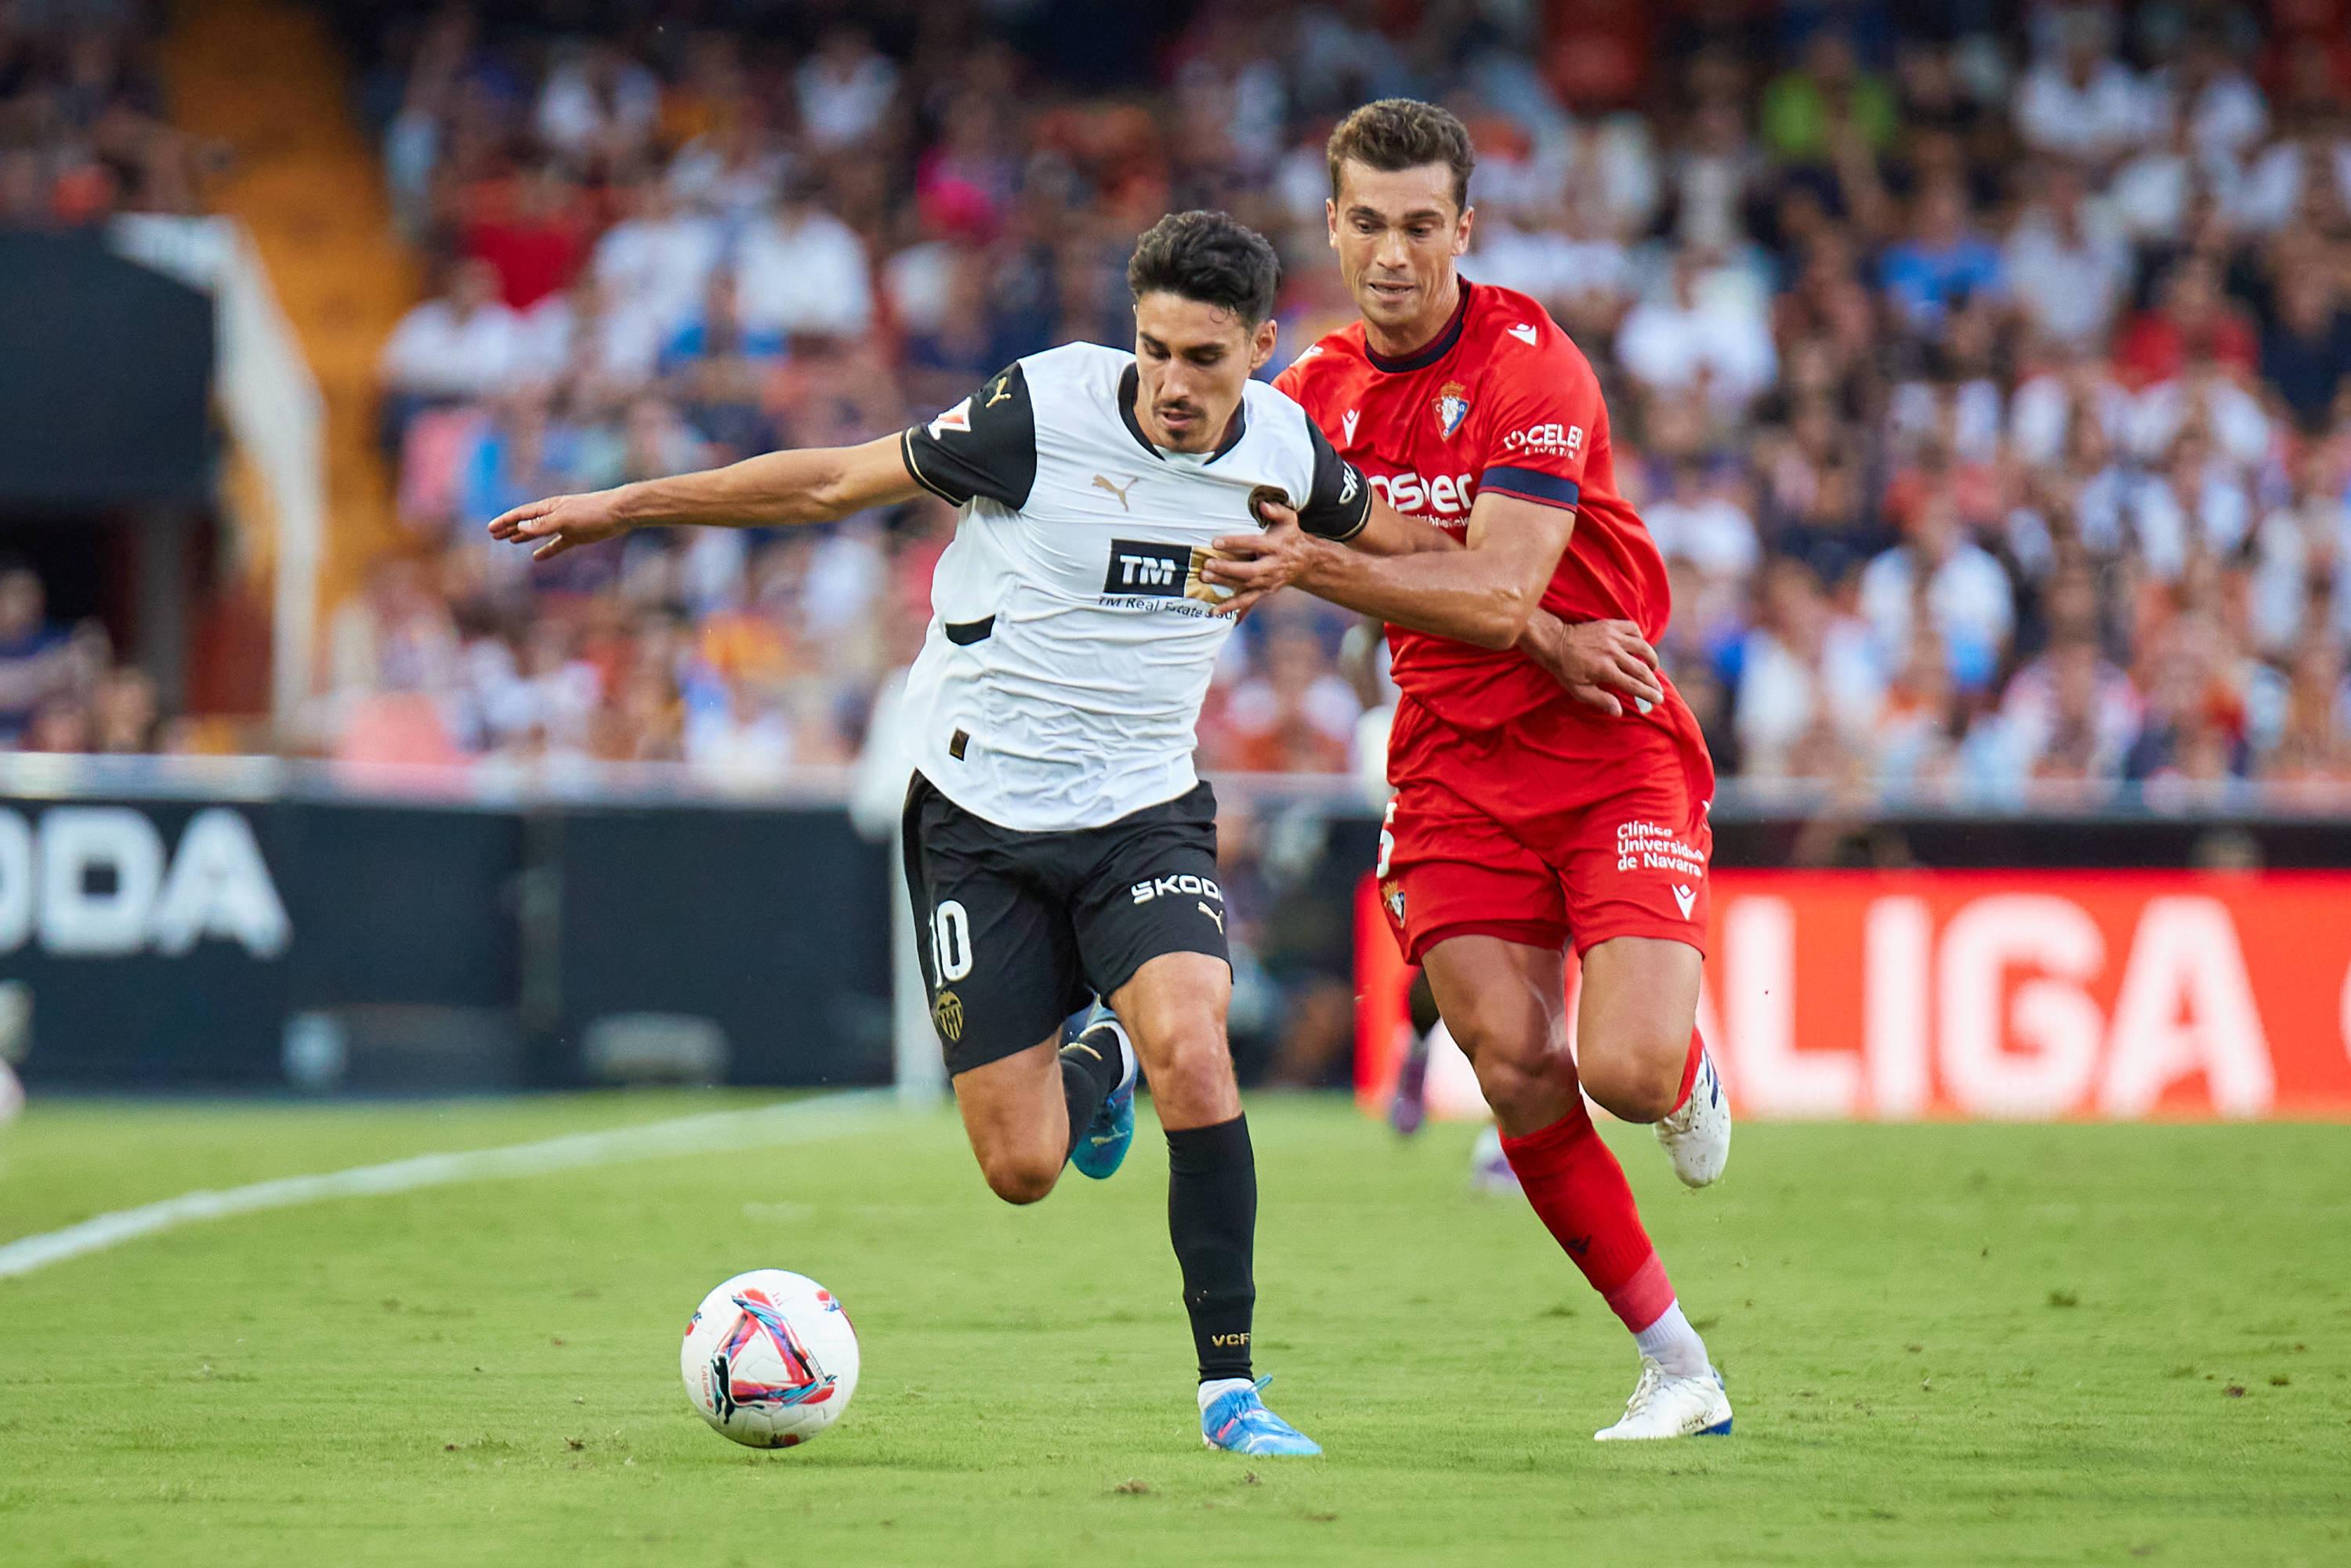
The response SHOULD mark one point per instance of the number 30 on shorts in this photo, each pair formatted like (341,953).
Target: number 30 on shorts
(950,941)
(1387,841)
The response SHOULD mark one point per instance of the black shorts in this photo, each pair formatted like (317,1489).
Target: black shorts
(1017,930)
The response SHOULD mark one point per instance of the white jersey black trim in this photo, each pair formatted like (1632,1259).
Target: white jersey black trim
(984,445)
(1072,635)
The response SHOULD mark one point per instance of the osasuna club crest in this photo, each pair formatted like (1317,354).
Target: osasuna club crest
(1452,408)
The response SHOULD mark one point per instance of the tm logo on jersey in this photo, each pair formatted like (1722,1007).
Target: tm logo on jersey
(1143,569)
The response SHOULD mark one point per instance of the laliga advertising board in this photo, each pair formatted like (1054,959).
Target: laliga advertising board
(1990,995)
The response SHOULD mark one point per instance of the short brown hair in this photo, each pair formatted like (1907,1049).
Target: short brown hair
(1392,133)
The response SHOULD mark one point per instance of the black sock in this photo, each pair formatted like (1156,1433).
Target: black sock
(1212,1220)
(1091,1069)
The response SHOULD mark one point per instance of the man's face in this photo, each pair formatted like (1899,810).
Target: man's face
(20,603)
(1193,360)
(1397,232)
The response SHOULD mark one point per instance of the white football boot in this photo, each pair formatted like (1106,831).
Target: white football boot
(1667,1406)
(1698,1137)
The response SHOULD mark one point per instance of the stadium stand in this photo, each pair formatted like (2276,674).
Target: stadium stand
(1982,382)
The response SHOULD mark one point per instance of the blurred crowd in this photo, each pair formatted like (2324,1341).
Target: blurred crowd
(83,137)
(83,131)
(1980,373)
(1979,368)
(62,689)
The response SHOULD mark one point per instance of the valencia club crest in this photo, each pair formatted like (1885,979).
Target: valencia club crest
(1452,408)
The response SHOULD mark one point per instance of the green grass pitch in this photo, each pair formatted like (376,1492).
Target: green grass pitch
(1945,1345)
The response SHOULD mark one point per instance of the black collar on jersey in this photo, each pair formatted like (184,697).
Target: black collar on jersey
(1130,384)
(1437,347)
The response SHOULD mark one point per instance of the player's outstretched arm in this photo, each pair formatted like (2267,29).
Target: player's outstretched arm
(820,484)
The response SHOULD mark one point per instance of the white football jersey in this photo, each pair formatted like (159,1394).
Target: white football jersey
(1071,637)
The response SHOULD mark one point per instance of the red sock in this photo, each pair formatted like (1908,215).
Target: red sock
(1689,1071)
(1578,1191)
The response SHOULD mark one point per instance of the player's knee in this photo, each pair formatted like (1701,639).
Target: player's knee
(1517,1062)
(1192,1074)
(1524,1094)
(1636,1080)
(1019,1177)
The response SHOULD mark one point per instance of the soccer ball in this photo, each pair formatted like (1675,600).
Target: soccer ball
(770,1359)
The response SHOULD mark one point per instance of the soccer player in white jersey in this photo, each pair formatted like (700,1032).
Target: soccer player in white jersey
(1059,846)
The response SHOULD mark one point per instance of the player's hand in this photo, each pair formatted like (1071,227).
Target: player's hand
(1254,565)
(1601,663)
(563,522)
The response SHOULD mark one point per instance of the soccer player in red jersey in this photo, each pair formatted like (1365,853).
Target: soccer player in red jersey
(1526,816)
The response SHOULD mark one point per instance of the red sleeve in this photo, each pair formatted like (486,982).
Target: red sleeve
(1545,420)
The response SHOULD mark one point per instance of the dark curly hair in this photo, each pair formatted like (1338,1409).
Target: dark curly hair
(1208,257)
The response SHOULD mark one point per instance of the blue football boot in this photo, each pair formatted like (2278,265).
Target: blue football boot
(1238,1422)
(1102,1146)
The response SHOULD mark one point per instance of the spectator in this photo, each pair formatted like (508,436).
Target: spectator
(2066,262)
(463,343)
(1944,262)
(1807,675)
(1806,111)
(2081,103)
(844,90)
(1703,338)
(34,660)
(2306,351)
(1956,584)
(800,271)
(659,259)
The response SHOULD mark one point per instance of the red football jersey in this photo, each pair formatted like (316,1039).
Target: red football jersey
(1503,401)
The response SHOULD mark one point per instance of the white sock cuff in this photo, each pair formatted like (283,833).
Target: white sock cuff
(1673,1344)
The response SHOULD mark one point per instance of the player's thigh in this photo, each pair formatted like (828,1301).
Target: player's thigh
(999,954)
(1635,882)
(1150,920)
(1446,870)
(1145,886)
(1014,1114)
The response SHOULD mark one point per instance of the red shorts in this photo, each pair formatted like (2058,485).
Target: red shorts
(1559,827)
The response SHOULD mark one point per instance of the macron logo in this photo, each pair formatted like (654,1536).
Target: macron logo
(1347,426)
(1685,897)
(1524,332)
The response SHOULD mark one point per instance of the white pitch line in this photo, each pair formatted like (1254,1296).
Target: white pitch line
(792,1122)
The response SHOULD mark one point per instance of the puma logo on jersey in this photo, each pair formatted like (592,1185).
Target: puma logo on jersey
(1004,388)
(1524,332)
(1347,425)
(1216,915)
(1685,897)
(1101,483)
